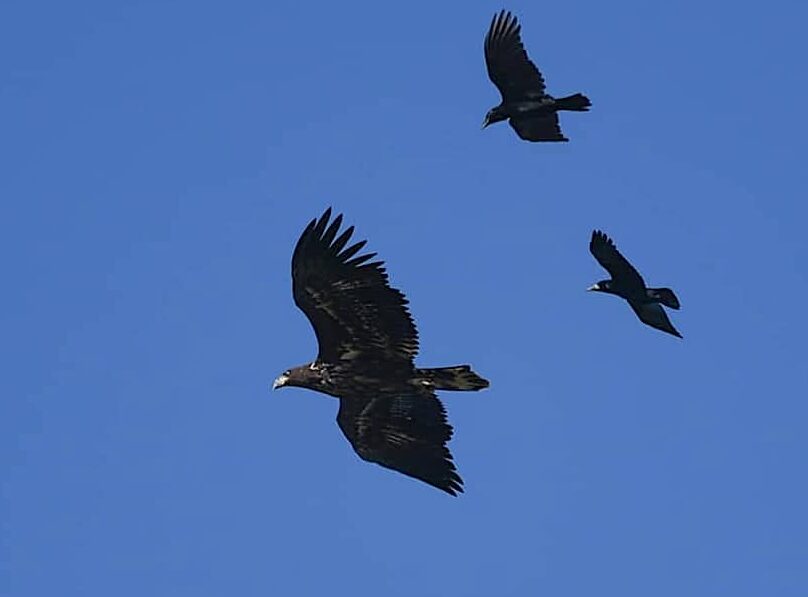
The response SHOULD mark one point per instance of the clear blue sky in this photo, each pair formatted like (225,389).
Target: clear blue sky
(159,160)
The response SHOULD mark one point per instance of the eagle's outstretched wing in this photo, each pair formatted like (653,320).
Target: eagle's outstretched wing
(406,432)
(509,68)
(622,272)
(355,313)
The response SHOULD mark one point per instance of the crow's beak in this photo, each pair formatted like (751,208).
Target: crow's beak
(486,122)
(280,382)
(593,287)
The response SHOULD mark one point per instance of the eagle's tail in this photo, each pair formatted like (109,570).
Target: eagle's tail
(576,103)
(460,378)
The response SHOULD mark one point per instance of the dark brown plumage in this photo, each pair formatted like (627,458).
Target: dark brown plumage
(367,345)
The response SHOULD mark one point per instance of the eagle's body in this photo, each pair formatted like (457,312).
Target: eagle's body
(531,111)
(367,344)
(332,380)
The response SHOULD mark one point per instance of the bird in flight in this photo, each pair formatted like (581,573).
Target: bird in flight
(368,341)
(627,283)
(532,112)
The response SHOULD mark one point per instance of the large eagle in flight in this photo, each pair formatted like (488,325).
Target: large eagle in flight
(367,341)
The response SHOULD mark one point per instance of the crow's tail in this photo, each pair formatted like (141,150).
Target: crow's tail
(575,103)
(665,296)
(460,378)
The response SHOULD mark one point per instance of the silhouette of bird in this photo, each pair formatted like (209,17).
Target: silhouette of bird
(532,112)
(627,283)
(367,341)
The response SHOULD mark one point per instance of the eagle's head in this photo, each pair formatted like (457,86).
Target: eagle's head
(305,376)
(282,379)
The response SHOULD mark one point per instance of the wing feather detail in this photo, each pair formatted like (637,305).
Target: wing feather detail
(509,67)
(622,272)
(354,311)
(405,432)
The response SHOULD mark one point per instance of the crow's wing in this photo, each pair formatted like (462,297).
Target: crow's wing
(622,272)
(509,68)
(654,315)
(543,127)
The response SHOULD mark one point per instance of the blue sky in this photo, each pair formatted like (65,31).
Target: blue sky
(160,160)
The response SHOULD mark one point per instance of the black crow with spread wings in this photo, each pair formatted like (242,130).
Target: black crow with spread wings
(532,112)
(367,341)
(627,283)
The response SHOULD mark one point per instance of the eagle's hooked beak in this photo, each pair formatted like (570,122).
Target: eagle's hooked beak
(280,382)
(594,287)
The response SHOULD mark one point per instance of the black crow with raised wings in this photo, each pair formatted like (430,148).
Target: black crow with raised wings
(367,341)
(627,283)
(532,112)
